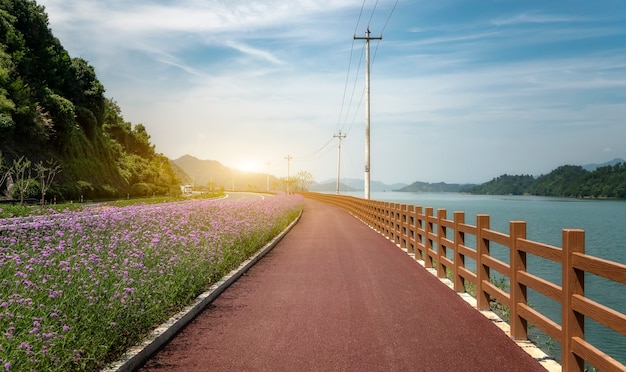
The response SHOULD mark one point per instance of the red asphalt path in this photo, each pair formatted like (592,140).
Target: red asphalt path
(334,295)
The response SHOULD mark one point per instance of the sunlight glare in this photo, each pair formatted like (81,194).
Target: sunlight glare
(248,166)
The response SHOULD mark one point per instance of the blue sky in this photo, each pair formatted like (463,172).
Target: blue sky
(461,91)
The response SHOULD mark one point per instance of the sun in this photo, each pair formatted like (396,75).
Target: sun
(247,166)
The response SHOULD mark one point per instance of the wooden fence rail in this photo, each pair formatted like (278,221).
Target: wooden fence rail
(441,243)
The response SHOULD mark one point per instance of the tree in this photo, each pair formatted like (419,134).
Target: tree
(6,104)
(21,169)
(304,179)
(5,171)
(290,184)
(46,174)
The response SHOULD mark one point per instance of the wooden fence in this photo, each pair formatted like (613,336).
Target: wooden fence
(441,243)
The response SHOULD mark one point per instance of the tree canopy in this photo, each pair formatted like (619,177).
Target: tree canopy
(53,108)
(565,181)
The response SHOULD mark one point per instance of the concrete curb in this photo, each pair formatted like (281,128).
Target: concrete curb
(137,355)
(548,362)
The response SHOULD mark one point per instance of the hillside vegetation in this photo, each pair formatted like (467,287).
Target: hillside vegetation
(435,187)
(53,111)
(566,181)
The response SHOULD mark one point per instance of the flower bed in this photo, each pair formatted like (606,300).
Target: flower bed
(78,289)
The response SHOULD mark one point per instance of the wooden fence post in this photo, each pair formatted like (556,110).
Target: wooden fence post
(441,250)
(428,243)
(482,271)
(573,282)
(404,231)
(377,216)
(388,207)
(411,224)
(397,233)
(519,325)
(419,231)
(459,259)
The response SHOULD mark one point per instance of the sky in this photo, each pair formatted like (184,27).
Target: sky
(461,91)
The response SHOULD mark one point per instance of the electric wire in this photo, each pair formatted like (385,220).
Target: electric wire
(372,15)
(354,86)
(345,88)
(314,153)
(344,111)
(383,30)
(388,18)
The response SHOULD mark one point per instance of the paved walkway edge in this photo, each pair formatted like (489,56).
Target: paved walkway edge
(548,362)
(137,355)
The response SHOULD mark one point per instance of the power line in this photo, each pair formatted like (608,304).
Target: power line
(388,18)
(372,63)
(344,115)
(383,29)
(314,153)
(359,19)
(356,79)
(372,15)
(345,88)
(288,158)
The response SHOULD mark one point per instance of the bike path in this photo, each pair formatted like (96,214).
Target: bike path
(334,295)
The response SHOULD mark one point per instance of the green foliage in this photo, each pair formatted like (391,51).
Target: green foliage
(565,181)
(53,107)
(505,185)
(26,189)
(435,187)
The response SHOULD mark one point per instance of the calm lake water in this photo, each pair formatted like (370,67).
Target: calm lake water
(604,222)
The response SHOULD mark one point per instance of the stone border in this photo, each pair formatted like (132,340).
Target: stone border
(137,355)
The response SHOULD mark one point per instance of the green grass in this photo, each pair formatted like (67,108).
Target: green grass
(9,211)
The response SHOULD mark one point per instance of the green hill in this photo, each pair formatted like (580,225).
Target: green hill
(53,110)
(211,174)
(435,187)
(607,181)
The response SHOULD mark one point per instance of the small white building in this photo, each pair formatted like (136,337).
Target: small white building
(186,189)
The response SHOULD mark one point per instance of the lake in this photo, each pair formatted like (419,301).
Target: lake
(604,222)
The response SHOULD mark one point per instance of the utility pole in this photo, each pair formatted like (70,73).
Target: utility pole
(288,174)
(340,136)
(367,39)
(267,177)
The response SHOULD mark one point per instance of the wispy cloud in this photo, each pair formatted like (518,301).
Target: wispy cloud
(537,18)
(253,51)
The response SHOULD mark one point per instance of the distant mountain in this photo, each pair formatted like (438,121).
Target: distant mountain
(185,179)
(591,167)
(330,186)
(212,174)
(356,184)
(435,187)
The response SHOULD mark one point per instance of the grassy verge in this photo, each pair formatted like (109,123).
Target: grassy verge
(11,211)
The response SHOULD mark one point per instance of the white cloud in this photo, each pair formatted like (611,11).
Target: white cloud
(227,80)
(254,52)
(537,18)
